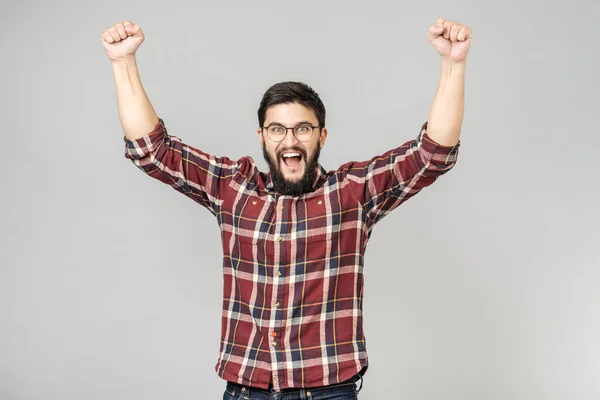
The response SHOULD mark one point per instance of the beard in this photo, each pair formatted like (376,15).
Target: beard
(286,187)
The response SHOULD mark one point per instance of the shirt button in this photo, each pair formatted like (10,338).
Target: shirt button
(281,208)
(274,334)
(274,344)
(278,273)
(277,304)
(278,238)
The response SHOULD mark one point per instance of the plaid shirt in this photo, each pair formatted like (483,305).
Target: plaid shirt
(293,266)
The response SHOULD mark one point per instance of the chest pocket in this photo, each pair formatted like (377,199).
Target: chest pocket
(252,219)
(319,219)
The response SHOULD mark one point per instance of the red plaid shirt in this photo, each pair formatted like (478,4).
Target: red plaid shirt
(293,266)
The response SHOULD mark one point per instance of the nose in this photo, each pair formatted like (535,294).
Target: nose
(290,139)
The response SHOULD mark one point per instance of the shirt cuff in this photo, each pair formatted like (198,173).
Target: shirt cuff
(438,154)
(138,148)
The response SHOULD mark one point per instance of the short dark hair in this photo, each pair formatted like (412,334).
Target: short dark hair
(291,92)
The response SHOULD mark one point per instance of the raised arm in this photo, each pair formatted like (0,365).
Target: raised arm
(386,181)
(452,41)
(136,113)
(200,176)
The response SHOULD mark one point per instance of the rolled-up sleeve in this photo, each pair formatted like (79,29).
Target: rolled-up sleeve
(386,181)
(201,176)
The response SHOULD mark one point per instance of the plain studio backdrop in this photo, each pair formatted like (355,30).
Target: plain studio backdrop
(483,286)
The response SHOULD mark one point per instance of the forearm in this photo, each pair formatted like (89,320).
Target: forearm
(447,110)
(136,113)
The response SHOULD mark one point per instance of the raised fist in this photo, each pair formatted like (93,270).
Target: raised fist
(451,39)
(122,40)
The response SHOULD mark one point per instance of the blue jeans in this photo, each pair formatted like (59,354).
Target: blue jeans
(342,391)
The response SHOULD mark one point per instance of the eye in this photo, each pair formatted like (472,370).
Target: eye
(276,129)
(302,129)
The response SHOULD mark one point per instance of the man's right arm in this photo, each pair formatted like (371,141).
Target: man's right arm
(136,113)
(198,175)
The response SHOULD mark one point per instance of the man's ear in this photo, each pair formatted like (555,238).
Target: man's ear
(260,137)
(322,138)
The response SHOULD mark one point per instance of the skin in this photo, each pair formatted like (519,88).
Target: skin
(290,115)
(452,42)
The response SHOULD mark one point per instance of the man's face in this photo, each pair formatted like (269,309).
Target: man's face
(292,175)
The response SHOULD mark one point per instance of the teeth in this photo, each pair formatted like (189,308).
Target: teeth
(291,155)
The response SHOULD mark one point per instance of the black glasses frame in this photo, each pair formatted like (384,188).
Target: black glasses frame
(313,127)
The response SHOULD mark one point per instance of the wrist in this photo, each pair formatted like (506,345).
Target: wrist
(124,61)
(453,63)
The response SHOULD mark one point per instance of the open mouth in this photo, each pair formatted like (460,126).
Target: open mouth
(292,159)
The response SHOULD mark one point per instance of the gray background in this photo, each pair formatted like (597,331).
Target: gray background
(484,286)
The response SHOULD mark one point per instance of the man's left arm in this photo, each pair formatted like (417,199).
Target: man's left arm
(452,41)
(384,182)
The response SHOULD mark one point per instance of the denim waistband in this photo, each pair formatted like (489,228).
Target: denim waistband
(232,386)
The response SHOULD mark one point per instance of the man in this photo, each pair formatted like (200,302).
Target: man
(293,238)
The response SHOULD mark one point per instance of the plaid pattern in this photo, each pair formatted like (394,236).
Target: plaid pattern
(293,266)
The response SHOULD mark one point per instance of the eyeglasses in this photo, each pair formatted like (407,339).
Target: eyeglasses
(302,132)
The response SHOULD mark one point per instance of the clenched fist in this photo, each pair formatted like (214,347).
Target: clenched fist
(451,40)
(122,40)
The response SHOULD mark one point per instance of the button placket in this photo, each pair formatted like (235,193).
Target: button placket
(280,233)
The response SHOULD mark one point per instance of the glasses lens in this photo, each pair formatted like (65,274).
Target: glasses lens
(276,133)
(303,133)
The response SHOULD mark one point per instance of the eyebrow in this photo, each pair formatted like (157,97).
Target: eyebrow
(299,123)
